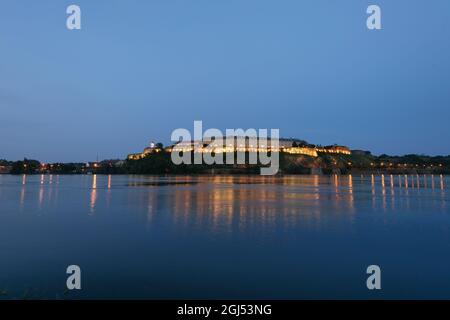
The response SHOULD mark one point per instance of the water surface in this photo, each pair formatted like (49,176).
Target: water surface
(292,237)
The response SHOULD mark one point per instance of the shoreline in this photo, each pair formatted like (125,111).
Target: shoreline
(363,173)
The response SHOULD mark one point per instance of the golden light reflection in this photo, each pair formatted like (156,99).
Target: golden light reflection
(392,187)
(41,193)
(391,182)
(151,205)
(316,189)
(372,184)
(22,191)
(227,204)
(336,185)
(108,193)
(234,203)
(350,190)
(93,195)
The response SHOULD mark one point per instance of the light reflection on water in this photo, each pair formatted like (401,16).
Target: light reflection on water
(175,225)
(226,200)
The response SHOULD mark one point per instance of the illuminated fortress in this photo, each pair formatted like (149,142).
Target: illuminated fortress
(243,144)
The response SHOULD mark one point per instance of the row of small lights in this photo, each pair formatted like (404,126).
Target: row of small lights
(96,165)
(398,164)
(43,165)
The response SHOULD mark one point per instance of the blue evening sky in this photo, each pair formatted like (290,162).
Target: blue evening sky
(139,69)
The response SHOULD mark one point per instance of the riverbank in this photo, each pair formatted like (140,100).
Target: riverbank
(161,164)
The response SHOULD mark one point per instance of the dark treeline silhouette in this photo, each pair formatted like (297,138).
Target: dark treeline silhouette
(161,163)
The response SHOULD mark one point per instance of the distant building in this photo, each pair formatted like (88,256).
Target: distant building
(244,144)
(334,149)
(152,148)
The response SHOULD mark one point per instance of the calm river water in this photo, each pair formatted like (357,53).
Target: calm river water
(291,237)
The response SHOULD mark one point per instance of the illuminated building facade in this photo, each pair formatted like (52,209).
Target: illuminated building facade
(244,144)
(149,150)
(334,149)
